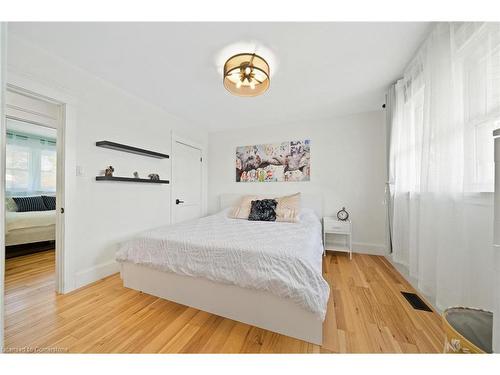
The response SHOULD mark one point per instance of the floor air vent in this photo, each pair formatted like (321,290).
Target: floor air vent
(416,302)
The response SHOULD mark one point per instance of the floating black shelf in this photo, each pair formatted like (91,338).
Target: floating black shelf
(131,149)
(131,179)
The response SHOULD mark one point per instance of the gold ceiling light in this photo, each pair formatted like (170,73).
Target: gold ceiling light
(246,74)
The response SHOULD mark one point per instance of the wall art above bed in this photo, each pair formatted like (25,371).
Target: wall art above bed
(274,162)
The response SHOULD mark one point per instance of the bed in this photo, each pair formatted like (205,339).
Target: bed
(266,274)
(29,227)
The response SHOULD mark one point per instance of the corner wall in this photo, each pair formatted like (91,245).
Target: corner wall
(348,161)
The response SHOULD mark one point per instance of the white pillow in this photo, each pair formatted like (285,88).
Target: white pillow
(10,205)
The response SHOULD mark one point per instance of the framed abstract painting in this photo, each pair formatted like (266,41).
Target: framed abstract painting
(274,162)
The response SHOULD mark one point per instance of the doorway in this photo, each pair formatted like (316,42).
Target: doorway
(34,184)
(187,186)
(30,188)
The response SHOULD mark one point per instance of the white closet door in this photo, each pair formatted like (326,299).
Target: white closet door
(186,182)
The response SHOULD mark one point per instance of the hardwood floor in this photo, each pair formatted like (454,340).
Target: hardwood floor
(366,314)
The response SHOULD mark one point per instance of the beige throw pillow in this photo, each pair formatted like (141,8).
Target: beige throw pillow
(288,208)
(242,210)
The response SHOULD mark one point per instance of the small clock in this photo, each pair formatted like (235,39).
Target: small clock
(343,214)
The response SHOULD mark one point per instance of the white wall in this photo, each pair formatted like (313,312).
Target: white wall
(106,213)
(347,168)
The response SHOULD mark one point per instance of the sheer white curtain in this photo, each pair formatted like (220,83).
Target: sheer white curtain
(30,164)
(441,163)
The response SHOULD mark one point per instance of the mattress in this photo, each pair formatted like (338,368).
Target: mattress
(284,259)
(32,219)
(30,235)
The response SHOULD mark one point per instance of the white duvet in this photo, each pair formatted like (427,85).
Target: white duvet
(281,258)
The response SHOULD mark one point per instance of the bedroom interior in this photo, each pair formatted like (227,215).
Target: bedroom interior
(30,192)
(30,188)
(277,187)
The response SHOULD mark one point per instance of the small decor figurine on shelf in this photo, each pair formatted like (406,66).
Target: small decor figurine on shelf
(136,174)
(154,176)
(108,172)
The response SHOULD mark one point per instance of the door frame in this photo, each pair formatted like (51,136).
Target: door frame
(3,70)
(175,137)
(66,167)
(59,236)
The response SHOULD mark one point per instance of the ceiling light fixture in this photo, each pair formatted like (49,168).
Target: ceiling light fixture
(246,74)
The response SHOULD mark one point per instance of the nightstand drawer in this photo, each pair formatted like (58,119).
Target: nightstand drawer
(337,226)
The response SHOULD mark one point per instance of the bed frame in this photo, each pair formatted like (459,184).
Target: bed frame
(254,307)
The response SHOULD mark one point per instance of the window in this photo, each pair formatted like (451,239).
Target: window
(30,164)
(479,72)
(17,163)
(48,170)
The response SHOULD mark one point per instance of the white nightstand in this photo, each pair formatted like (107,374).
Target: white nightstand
(333,231)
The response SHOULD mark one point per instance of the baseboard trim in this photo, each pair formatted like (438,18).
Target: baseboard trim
(96,273)
(369,248)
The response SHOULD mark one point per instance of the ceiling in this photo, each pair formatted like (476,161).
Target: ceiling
(318,70)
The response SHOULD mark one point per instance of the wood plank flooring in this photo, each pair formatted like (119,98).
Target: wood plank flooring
(366,314)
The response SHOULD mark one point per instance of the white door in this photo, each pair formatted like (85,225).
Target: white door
(186,182)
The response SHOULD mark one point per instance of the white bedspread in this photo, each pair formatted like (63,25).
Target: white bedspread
(23,220)
(281,258)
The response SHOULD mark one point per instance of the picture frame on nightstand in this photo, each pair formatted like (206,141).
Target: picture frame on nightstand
(337,235)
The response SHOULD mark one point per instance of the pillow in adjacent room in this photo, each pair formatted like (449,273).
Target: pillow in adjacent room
(263,210)
(49,201)
(288,209)
(242,210)
(10,205)
(27,204)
